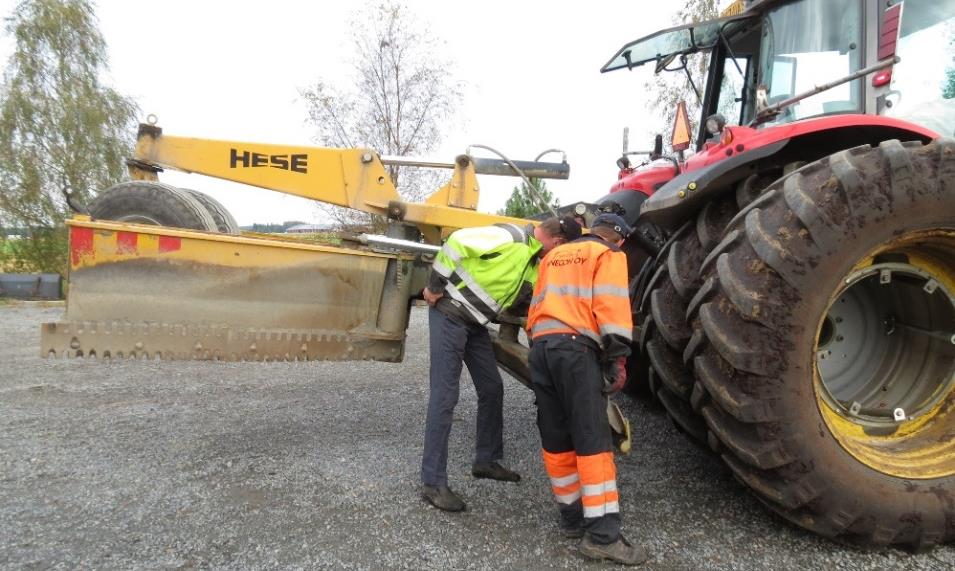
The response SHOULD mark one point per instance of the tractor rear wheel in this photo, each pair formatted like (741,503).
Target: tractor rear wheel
(826,369)
(149,202)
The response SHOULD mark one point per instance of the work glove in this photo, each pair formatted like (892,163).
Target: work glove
(615,375)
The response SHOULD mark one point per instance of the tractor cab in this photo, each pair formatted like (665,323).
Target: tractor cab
(776,63)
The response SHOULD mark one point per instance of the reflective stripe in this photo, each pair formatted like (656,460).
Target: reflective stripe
(613,290)
(565,481)
(598,489)
(516,232)
(568,498)
(441,269)
(602,509)
(584,292)
(566,290)
(477,291)
(456,294)
(545,325)
(593,336)
(609,329)
(450,252)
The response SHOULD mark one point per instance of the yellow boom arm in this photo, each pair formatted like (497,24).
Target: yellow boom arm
(354,178)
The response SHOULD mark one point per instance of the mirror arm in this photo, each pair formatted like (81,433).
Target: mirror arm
(689,77)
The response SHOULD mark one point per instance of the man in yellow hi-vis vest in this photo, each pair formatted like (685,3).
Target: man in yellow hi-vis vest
(581,330)
(479,273)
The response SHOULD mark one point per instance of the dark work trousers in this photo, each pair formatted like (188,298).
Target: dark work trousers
(454,342)
(572,414)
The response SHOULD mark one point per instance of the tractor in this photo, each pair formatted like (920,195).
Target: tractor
(793,280)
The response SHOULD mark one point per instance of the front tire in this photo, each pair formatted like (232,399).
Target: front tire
(799,377)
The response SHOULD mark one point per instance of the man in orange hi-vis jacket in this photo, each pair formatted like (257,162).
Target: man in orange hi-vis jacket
(580,328)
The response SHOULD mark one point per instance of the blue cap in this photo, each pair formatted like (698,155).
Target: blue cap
(613,221)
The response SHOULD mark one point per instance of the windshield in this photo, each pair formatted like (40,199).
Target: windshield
(923,83)
(810,43)
(674,41)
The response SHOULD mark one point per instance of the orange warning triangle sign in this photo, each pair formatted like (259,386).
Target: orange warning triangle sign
(680,141)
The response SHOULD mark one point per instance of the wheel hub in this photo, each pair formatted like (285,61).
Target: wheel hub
(884,358)
(885,351)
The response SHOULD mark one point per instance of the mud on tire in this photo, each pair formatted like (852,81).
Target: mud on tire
(666,337)
(812,444)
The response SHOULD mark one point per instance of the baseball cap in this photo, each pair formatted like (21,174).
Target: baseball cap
(614,221)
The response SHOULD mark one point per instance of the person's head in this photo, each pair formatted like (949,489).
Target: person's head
(611,227)
(556,231)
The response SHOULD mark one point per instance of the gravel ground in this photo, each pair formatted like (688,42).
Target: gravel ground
(146,465)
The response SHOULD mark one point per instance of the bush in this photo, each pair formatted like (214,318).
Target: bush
(43,250)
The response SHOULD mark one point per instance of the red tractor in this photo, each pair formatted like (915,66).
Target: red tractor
(793,281)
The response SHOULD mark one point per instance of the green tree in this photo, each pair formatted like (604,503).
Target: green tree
(523,204)
(400,98)
(61,129)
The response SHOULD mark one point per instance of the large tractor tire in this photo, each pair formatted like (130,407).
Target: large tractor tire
(225,223)
(665,334)
(826,366)
(148,202)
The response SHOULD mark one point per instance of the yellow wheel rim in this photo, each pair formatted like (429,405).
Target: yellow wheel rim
(884,359)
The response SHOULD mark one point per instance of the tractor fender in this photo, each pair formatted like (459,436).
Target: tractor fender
(678,199)
(807,140)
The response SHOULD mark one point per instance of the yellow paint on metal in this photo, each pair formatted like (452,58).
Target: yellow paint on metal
(920,448)
(345,177)
(138,273)
(439,220)
(353,178)
(733,9)
(462,191)
(198,247)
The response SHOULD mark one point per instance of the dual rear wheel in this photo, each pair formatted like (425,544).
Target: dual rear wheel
(149,202)
(813,345)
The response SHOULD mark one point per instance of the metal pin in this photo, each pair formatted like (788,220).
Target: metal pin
(855,408)
(898,414)
(930,286)
(885,276)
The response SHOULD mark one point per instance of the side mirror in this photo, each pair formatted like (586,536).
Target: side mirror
(657,147)
(623,163)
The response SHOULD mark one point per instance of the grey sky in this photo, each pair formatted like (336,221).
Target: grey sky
(233,70)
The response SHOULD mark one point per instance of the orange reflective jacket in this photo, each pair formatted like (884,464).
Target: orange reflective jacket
(582,290)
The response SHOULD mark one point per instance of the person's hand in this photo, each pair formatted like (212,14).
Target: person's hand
(615,375)
(431,297)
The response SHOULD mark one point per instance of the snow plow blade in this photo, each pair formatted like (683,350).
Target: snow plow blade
(152,292)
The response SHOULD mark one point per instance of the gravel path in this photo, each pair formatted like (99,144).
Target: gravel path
(182,465)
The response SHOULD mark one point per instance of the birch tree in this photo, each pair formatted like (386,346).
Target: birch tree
(399,98)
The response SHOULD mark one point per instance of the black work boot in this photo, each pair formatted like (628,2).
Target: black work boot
(620,551)
(443,498)
(494,471)
(571,531)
